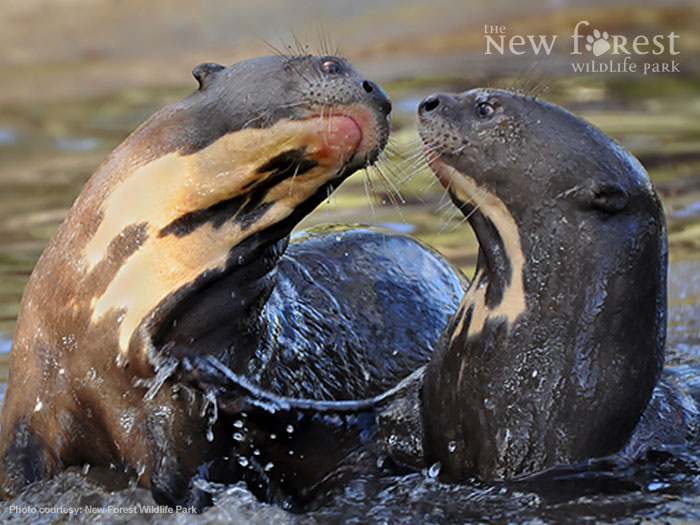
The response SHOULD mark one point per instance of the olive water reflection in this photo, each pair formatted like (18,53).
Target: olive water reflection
(49,150)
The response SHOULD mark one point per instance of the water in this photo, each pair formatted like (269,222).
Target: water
(49,147)
(668,485)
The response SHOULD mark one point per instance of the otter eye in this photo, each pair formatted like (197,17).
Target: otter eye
(484,110)
(331,67)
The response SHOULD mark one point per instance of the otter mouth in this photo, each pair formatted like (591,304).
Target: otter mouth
(347,124)
(438,166)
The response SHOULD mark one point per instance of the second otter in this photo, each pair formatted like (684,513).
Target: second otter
(559,341)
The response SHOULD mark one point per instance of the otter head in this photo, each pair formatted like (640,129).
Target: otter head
(558,343)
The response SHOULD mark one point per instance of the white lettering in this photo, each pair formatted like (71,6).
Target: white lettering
(640,40)
(490,40)
(517,40)
(542,44)
(576,37)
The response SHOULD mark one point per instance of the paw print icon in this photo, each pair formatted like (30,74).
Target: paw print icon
(598,42)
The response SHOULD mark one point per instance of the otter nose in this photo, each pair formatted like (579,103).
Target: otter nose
(377,94)
(429,104)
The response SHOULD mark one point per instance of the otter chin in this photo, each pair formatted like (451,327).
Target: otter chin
(558,343)
(172,251)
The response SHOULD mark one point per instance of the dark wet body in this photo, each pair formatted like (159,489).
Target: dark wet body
(355,309)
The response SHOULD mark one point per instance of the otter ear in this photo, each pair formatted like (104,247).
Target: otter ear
(609,197)
(203,71)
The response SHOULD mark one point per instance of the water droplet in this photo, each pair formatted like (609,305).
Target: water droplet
(338,238)
(238,423)
(210,435)
(243,462)
(269,467)
(651,487)
(534,373)
(290,429)
(86,469)
(434,470)
(291,452)
(237,436)
(241,259)
(273,436)
(256,452)
(451,447)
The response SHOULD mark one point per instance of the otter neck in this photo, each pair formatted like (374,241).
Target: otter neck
(493,268)
(497,290)
(221,312)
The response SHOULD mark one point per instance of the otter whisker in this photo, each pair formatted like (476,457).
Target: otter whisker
(445,198)
(330,120)
(544,87)
(443,205)
(413,161)
(324,41)
(527,79)
(392,191)
(338,49)
(296,69)
(291,55)
(275,50)
(367,182)
(411,158)
(302,49)
(474,210)
(266,114)
(294,178)
(448,217)
(325,135)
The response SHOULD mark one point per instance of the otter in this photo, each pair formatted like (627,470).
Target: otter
(559,341)
(176,249)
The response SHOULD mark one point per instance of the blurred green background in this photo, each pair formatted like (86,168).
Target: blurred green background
(79,75)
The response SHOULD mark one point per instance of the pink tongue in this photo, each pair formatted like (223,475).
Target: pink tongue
(339,135)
